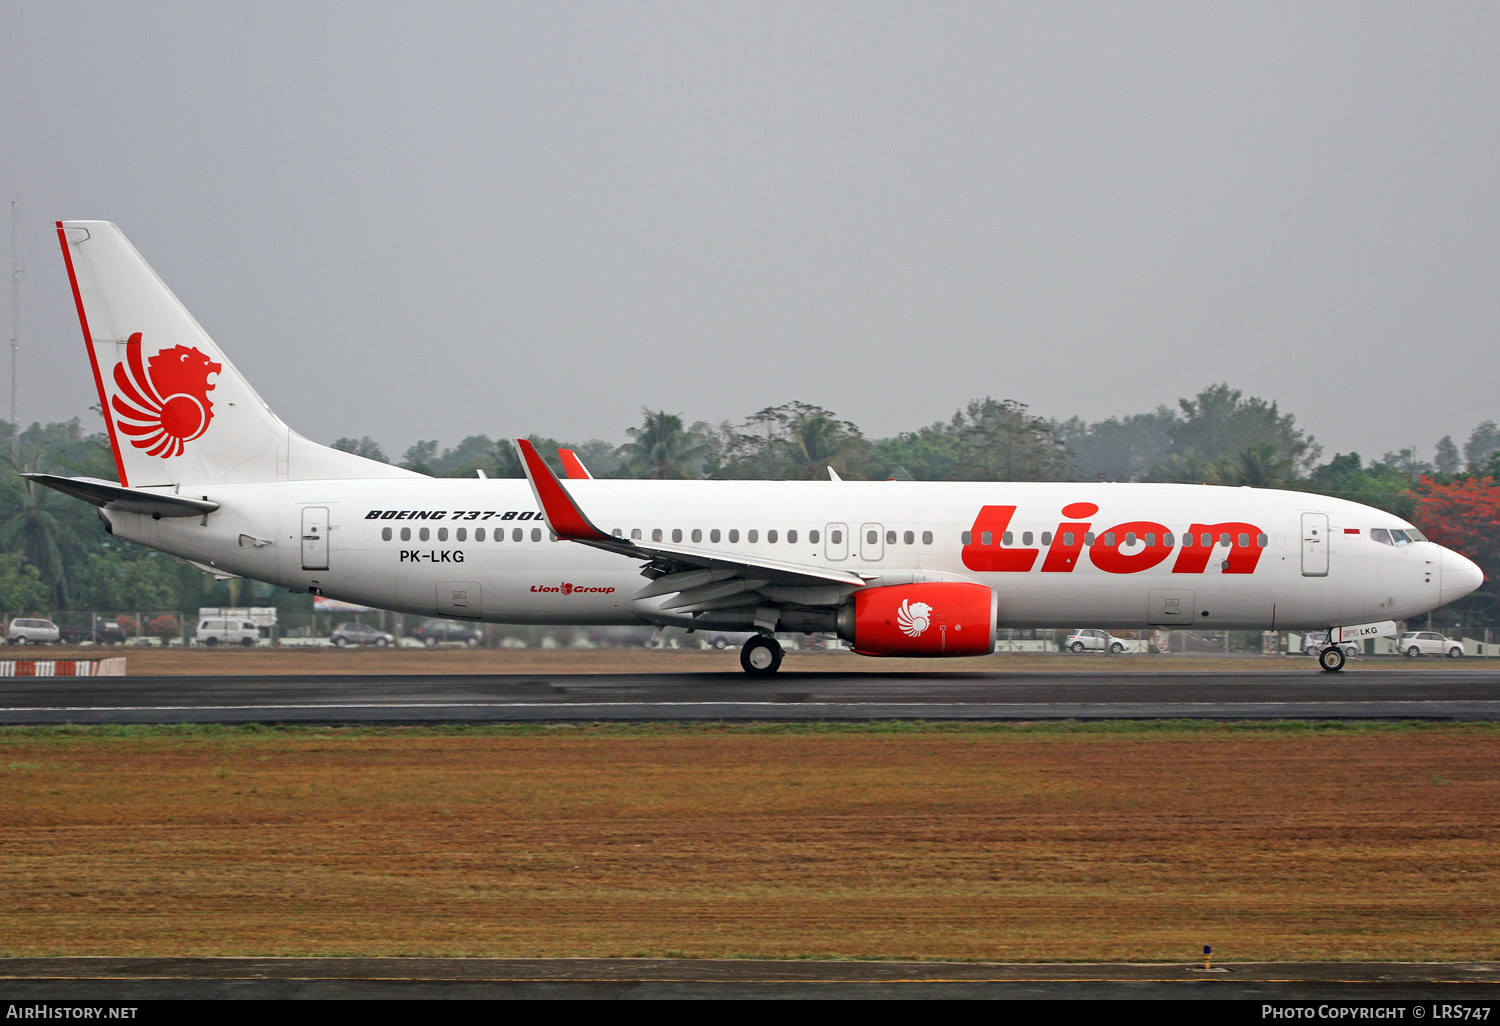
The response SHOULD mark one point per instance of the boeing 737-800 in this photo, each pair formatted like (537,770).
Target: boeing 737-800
(209,473)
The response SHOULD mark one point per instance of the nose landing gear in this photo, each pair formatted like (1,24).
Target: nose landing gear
(761,656)
(1331,659)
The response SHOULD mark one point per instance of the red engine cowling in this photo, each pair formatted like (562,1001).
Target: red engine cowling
(940,618)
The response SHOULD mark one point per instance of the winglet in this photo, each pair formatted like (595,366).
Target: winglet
(573,466)
(562,514)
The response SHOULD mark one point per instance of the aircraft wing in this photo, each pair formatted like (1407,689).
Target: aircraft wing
(704,579)
(109,495)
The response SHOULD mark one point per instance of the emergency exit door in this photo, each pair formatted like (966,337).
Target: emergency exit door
(1315,545)
(315,537)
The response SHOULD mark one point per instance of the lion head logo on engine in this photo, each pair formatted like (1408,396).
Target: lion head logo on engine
(168,406)
(913,617)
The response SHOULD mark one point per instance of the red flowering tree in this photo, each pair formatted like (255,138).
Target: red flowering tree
(1465,516)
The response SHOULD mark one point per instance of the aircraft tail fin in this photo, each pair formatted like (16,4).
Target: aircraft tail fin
(178,412)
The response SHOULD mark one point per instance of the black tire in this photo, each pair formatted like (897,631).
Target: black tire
(381,643)
(1077,647)
(21,640)
(721,643)
(1455,653)
(340,642)
(1331,659)
(247,642)
(1116,648)
(211,641)
(761,656)
(1413,652)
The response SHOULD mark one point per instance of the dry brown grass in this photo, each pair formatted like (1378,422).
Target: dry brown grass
(201,661)
(955,842)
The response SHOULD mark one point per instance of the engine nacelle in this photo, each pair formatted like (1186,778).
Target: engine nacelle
(937,618)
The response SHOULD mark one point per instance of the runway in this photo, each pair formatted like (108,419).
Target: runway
(1441,693)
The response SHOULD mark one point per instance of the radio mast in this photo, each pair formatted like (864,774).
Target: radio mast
(15,317)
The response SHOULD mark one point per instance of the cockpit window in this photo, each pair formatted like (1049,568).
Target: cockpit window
(1415,535)
(1400,538)
(1380,535)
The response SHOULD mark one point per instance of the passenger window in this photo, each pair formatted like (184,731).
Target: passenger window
(771,536)
(713,536)
(385,534)
(1068,538)
(1150,539)
(656,534)
(909,538)
(479,533)
(1224,540)
(677,534)
(872,537)
(516,535)
(442,534)
(1168,540)
(1046,537)
(1206,540)
(752,536)
(697,535)
(1261,541)
(926,537)
(734,535)
(635,534)
(835,537)
(812,536)
(1109,539)
(967,538)
(1381,535)
(1008,538)
(462,534)
(986,538)
(1088,537)
(791,537)
(890,537)
(1244,541)
(423,534)
(536,534)
(1025,537)
(1129,537)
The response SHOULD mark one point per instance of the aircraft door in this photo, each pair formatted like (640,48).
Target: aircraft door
(836,541)
(871,542)
(459,599)
(315,537)
(1315,545)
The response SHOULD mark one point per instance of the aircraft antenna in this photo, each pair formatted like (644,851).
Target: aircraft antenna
(16,270)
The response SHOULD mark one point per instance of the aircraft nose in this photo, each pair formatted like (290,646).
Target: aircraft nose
(1460,576)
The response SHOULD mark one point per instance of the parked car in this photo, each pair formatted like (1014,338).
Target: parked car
(216,631)
(346,634)
(1317,641)
(32,631)
(444,632)
(1090,640)
(1415,643)
(104,632)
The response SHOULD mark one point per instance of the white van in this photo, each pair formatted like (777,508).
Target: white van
(215,631)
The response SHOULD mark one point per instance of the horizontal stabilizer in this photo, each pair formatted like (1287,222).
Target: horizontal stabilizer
(118,498)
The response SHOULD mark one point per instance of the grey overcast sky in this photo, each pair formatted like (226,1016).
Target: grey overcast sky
(437,219)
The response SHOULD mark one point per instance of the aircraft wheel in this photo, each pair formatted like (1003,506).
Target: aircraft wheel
(1078,648)
(1413,652)
(1116,648)
(1331,659)
(761,656)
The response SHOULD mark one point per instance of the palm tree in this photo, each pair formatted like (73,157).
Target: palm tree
(661,449)
(816,441)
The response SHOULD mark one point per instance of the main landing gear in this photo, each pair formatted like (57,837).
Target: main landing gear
(1331,659)
(761,656)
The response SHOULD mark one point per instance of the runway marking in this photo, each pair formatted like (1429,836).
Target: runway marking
(730,702)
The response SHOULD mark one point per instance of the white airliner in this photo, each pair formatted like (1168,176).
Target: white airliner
(209,473)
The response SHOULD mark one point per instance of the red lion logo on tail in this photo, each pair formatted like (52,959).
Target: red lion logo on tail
(168,407)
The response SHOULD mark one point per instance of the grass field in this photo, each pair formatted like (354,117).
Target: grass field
(995,842)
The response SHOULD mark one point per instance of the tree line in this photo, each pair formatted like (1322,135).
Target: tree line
(55,555)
